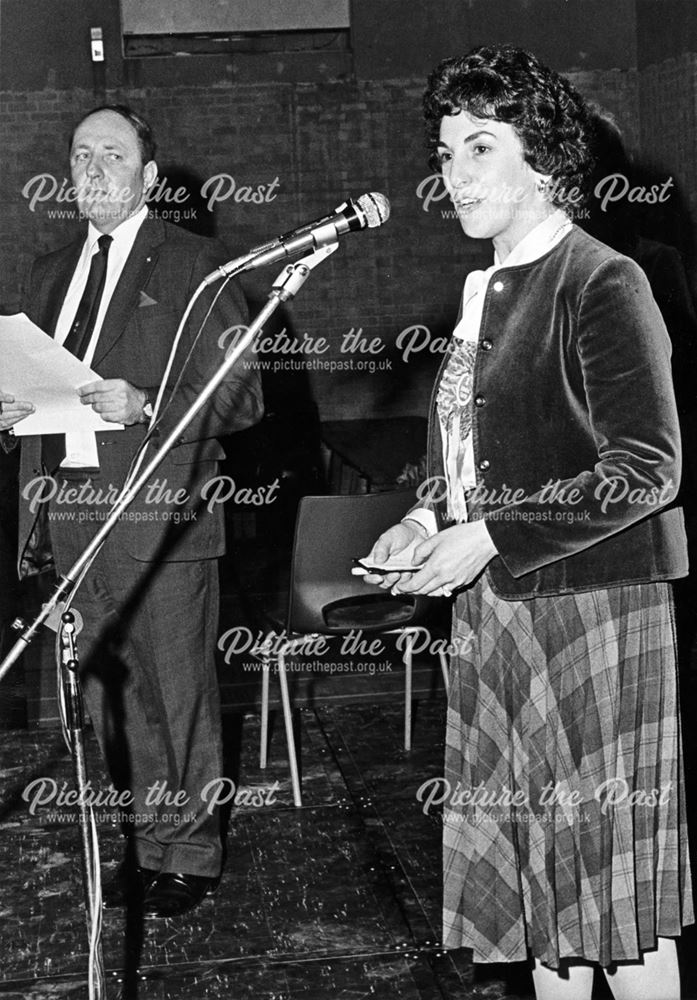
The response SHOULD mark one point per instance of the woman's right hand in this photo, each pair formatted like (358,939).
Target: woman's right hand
(12,410)
(391,543)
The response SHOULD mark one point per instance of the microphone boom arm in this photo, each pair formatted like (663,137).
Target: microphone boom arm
(368,211)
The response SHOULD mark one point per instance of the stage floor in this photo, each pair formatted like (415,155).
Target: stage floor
(338,900)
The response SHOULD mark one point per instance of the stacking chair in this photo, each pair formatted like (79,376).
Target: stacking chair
(327,600)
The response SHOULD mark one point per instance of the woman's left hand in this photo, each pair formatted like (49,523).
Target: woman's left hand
(454,557)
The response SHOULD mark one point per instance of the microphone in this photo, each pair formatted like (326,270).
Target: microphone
(367,212)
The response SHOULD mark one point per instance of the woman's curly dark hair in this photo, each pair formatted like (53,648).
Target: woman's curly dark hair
(511,85)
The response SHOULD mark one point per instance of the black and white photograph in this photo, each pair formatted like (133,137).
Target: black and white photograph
(348,499)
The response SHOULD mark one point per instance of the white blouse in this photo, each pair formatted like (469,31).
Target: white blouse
(454,397)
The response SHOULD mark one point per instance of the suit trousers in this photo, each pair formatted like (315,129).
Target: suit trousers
(148,672)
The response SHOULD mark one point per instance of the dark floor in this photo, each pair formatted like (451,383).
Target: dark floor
(339,899)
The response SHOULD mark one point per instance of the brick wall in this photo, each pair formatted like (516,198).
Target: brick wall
(668,143)
(300,148)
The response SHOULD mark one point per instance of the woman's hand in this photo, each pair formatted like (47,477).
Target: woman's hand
(453,558)
(12,410)
(398,539)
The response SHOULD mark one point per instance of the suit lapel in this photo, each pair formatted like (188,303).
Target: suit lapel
(57,287)
(134,278)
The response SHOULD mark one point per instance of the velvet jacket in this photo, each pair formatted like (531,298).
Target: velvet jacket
(575,428)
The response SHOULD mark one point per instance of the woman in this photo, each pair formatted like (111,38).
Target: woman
(554,456)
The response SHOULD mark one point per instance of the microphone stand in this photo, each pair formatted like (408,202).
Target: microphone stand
(75,726)
(286,286)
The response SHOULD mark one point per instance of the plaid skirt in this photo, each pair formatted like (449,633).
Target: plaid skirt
(564,821)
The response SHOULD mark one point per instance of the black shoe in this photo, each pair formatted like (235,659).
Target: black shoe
(173,893)
(127,886)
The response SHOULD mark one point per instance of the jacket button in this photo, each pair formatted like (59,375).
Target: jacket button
(484,465)
(486,345)
(479,400)
(498,286)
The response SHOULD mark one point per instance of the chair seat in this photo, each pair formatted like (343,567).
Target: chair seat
(326,599)
(374,611)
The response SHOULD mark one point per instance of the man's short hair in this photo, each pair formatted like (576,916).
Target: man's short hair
(144,133)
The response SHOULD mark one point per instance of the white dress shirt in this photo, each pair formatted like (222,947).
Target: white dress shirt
(81,447)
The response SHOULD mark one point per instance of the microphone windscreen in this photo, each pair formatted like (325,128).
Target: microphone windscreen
(375,207)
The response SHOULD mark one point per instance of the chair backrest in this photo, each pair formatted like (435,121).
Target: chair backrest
(330,531)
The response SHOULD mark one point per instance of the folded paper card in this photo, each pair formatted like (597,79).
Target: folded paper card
(403,561)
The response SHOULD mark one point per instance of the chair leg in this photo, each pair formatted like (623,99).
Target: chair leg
(290,738)
(407,660)
(263,749)
(444,669)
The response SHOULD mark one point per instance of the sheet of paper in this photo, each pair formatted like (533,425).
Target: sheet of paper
(33,367)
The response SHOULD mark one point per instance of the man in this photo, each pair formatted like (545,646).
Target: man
(9,586)
(150,602)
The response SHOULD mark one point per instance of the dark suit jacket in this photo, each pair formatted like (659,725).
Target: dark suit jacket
(575,429)
(165,266)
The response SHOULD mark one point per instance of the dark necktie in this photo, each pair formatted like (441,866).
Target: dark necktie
(79,336)
(86,316)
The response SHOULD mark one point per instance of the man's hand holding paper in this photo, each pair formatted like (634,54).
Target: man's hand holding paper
(41,382)
(115,400)
(13,410)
